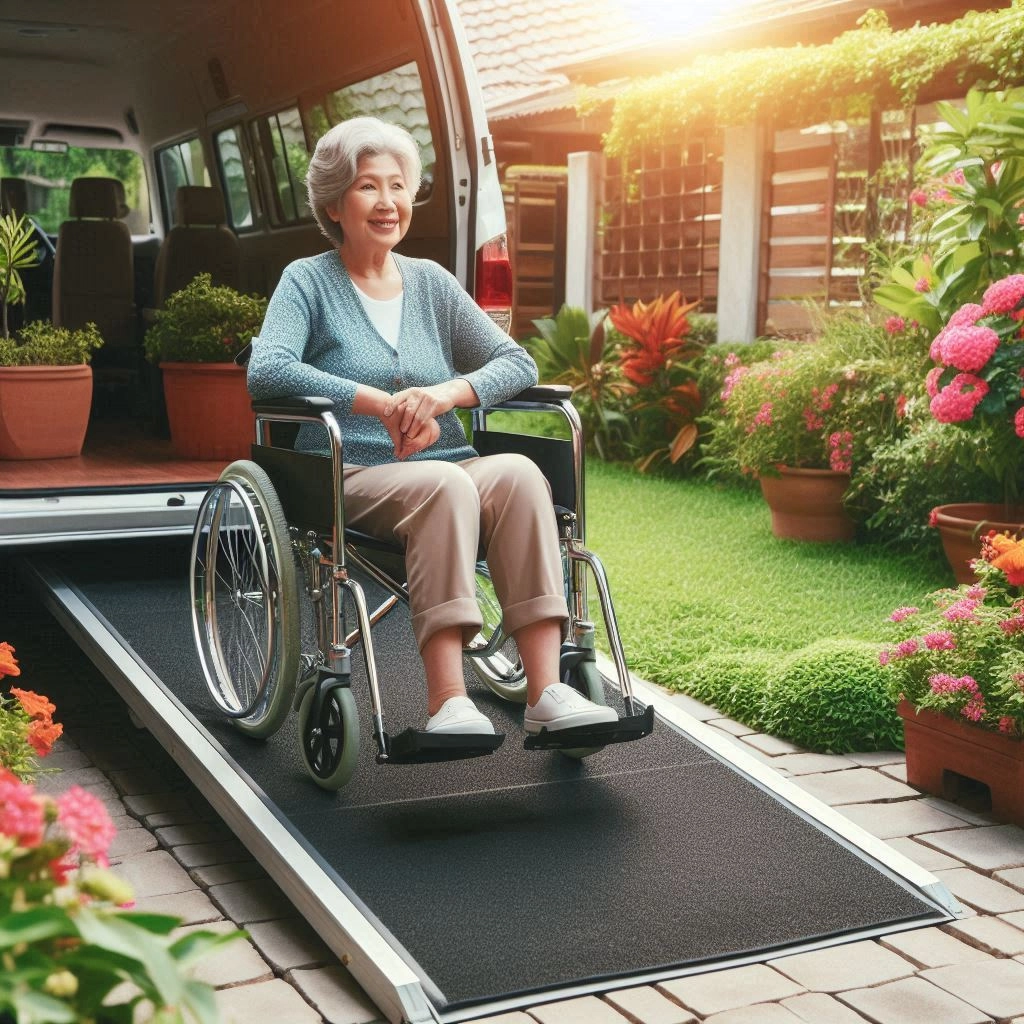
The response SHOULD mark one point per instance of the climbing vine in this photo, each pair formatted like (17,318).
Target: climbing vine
(795,85)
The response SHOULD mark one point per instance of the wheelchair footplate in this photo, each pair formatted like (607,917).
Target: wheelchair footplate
(415,746)
(630,727)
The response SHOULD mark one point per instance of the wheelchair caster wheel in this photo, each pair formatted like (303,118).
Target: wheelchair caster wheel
(585,678)
(329,736)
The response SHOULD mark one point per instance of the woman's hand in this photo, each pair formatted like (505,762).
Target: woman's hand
(420,406)
(406,444)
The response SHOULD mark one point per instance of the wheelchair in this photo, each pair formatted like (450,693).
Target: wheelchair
(273,598)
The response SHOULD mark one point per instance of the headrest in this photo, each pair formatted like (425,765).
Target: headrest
(14,196)
(97,197)
(198,204)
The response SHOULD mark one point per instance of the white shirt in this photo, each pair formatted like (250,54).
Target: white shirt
(384,314)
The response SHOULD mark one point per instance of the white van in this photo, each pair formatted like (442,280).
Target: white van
(229,94)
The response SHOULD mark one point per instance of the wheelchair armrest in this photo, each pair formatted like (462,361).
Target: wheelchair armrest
(303,404)
(544,393)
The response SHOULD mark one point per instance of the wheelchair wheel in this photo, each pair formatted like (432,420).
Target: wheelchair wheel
(245,611)
(501,672)
(330,739)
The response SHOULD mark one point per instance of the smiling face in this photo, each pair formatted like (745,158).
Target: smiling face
(376,209)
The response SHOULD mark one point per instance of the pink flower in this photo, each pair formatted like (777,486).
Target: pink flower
(940,641)
(919,197)
(812,420)
(1018,422)
(840,456)
(87,824)
(955,177)
(895,324)
(966,316)
(731,380)
(922,284)
(903,613)
(968,348)
(1004,296)
(21,812)
(974,709)
(943,682)
(1006,724)
(961,611)
(883,658)
(905,648)
(957,401)
(763,418)
(931,382)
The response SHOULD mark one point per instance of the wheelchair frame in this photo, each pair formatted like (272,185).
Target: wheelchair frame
(239,521)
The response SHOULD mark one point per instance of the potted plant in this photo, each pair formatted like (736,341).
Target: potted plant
(45,377)
(956,666)
(194,339)
(777,422)
(976,385)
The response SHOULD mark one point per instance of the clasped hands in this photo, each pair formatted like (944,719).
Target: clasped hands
(410,418)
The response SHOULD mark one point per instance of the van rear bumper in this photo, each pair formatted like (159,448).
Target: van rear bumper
(54,518)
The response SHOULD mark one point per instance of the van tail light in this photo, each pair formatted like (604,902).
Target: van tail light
(494,282)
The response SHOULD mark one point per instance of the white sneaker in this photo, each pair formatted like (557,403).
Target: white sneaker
(562,707)
(459,715)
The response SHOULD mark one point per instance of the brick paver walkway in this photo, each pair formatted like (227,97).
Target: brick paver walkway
(182,859)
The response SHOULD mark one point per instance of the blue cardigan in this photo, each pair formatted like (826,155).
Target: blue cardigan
(317,340)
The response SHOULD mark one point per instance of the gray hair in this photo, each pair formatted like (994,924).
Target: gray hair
(335,161)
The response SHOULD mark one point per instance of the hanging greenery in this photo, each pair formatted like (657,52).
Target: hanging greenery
(799,85)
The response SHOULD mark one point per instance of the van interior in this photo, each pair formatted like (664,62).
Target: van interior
(150,142)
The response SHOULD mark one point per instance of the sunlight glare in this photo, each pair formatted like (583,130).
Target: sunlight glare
(661,18)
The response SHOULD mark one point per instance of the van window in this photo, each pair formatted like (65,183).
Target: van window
(177,165)
(396,96)
(281,142)
(49,175)
(234,174)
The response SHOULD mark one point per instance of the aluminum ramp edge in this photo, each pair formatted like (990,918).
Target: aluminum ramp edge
(387,979)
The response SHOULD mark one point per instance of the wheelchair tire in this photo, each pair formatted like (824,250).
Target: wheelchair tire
(330,745)
(585,678)
(502,672)
(245,605)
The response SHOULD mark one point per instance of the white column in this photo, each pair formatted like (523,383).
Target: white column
(740,240)
(582,206)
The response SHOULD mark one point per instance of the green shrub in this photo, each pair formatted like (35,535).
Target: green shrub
(832,697)
(204,323)
(41,344)
(908,476)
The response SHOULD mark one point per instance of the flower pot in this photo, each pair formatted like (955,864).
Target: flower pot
(961,528)
(807,504)
(44,411)
(942,750)
(209,411)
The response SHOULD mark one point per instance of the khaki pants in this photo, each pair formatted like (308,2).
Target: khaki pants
(443,514)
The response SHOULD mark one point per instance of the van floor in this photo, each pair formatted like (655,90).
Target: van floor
(117,453)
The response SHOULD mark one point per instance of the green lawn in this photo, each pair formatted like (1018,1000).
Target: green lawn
(702,588)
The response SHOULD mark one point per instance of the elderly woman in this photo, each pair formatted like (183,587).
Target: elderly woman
(398,345)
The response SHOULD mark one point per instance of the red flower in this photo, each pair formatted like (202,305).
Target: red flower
(657,330)
(8,663)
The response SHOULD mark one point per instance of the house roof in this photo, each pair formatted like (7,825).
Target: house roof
(529,52)
(517,43)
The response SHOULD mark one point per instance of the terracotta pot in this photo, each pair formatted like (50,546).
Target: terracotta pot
(209,411)
(807,504)
(961,528)
(942,751)
(44,411)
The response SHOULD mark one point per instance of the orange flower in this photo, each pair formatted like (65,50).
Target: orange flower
(8,664)
(35,706)
(43,733)
(1007,556)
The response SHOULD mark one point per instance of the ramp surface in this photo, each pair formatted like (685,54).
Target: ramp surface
(523,872)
